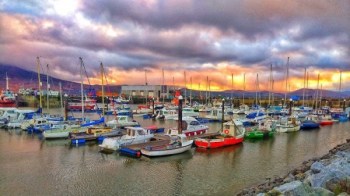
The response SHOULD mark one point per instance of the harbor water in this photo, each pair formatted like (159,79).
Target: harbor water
(32,166)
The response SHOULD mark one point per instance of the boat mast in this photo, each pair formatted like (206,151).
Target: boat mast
(61,96)
(163,84)
(243,86)
(270,84)
(316,97)
(287,75)
(82,87)
(185,98)
(256,89)
(321,96)
(304,87)
(232,89)
(39,88)
(307,85)
(7,83)
(191,91)
(273,95)
(103,91)
(206,91)
(47,89)
(209,92)
(340,86)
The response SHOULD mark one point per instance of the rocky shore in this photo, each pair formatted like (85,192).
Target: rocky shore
(327,175)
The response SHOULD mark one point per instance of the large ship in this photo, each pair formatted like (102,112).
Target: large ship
(89,104)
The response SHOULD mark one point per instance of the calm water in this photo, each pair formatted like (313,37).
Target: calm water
(30,166)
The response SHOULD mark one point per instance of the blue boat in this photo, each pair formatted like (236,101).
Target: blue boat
(309,124)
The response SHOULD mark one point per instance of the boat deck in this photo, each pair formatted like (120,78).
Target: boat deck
(203,135)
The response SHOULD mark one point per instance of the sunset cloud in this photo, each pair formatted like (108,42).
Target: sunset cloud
(203,38)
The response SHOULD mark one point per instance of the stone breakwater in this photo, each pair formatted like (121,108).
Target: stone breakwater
(327,175)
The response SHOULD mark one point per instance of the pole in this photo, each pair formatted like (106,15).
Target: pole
(39,88)
(179,128)
(61,97)
(339,86)
(103,91)
(82,89)
(47,89)
(243,87)
(191,92)
(316,98)
(185,87)
(222,114)
(287,73)
(163,85)
(304,87)
(7,83)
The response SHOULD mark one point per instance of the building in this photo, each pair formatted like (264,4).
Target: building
(156,91)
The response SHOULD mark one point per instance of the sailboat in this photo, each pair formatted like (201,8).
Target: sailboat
(178,142)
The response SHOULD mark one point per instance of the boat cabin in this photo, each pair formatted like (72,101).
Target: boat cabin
(136,131)
(230,128)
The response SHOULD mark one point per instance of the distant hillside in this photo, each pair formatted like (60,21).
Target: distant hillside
(21,78)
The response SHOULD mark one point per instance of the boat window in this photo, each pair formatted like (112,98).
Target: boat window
(140,132)
(184,125)
(194,123)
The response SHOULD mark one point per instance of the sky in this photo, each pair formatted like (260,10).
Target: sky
(226,40)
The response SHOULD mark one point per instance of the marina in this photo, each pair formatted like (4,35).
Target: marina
(62,168)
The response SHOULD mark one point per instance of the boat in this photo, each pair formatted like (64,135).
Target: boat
(326,119)
(22,115)
(231,134)
(134,135)
(7,97)
(167,114)
(76,105)
(93,133)
(192,127)
(216,114)
(178,143)
(122,121)
(287,124)
(263,130)
(310,122)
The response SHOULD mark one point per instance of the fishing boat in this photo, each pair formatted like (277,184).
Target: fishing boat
(287,124)
(310,122)
(192,127)
(216,114)
(167,114)
(7,97)
(326,119)
(89,104)
(122,121)
(134,135)
(263,130)
(231,134)
(179,143)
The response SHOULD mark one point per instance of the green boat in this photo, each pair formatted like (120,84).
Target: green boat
(256,134)
(265,129)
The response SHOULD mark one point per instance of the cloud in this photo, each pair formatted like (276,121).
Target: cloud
(203,37)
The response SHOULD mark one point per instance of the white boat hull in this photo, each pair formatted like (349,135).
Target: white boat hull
(285,129)
(166,152)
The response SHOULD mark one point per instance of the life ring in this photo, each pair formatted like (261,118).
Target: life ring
(226,131)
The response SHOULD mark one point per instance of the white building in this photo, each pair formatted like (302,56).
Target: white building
(156,91)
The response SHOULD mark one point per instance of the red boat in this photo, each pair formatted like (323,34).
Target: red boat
(7,99)
(89,104)
(326,120)
(231,135)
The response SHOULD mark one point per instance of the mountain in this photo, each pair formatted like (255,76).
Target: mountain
(21,78)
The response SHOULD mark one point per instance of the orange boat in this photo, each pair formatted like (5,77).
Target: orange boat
(233,133)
